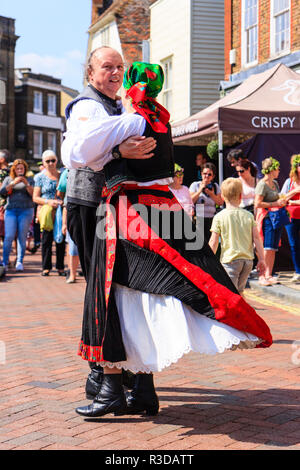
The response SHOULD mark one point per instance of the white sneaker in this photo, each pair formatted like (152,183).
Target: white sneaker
(295,278)
(19,267)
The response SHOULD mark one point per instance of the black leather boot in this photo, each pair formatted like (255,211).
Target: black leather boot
(143,396)
(110,399)
(94,381)
(128,379)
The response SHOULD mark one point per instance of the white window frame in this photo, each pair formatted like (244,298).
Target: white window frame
(37,146)
(274,15)
(51,103)
(52,141)
(105,35)
(37,102)
(167,91)
(245,35)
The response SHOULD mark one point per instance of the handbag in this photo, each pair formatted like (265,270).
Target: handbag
(57,229)
(294,211)
(279,218)
(46,216)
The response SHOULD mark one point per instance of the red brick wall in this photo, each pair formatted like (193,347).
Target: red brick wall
(134,26)
(227,37)
(264,30)
(236,33)
(95,5)
(133,20)
(295,25)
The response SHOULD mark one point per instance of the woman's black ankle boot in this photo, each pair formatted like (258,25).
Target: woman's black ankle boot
(110,399)
(143,396)
(93,381)
(95,377)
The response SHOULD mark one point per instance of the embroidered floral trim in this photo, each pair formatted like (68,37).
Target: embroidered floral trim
(90,353)
(161,202)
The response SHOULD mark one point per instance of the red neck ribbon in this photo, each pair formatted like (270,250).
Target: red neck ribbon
(155,114)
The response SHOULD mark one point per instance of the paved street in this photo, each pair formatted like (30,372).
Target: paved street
(235,401)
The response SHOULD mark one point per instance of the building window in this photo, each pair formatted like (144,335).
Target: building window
(37,144)
(38,102)
(280,26)
(167,89)
(52,105)
(250,31)
(52,141)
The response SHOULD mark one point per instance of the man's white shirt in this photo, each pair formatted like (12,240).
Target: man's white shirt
(92,133)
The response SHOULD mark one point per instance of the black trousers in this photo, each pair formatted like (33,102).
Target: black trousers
(47,241)
(81,223)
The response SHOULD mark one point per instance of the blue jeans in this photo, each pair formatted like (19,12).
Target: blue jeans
(271,236)
(16,221)
(293,232)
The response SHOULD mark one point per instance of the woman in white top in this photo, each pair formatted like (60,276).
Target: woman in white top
(247,174)
(181,192)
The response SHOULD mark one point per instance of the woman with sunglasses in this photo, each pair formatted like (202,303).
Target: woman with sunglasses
(291,190)
(18,211)
(247,175)
(180,191)
(206,194)
(45,193)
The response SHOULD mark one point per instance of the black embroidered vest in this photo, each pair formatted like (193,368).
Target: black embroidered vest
(84,185)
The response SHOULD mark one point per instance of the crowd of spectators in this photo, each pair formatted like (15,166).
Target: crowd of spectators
(30,206)
(242,220)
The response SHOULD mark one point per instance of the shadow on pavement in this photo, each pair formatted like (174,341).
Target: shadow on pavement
(268,416)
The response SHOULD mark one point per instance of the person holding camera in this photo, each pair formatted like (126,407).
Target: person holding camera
(17,188)
(206,195)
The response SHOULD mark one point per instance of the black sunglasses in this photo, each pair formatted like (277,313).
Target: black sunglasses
(50,161)
(240,171)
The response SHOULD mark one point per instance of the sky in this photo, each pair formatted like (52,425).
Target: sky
(53,36)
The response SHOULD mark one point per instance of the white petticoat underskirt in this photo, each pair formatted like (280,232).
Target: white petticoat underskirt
(158,330)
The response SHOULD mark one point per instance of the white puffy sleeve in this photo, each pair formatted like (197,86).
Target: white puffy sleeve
(92,133)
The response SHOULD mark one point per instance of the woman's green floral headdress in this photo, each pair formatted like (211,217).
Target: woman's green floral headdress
(275,165)
(143,82)
(178,168)
(296,162)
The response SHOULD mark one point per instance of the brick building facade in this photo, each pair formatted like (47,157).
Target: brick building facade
(123,25)
(8,41)
(258,35)
(39,123)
